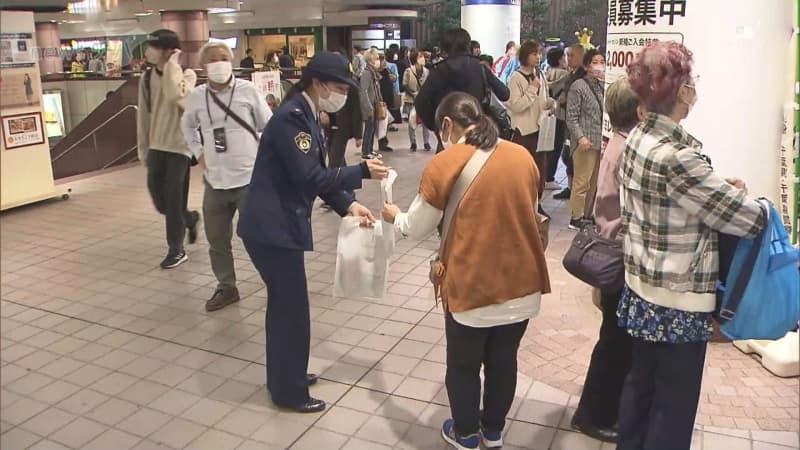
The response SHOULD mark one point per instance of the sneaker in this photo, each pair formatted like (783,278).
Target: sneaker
(174,259)
(387,149)
(192,226)
(370,156)
(427,147)
(471,442)
(552,186)
(491,439)
(413,147)
(576,224)
(563,195)
(222,297)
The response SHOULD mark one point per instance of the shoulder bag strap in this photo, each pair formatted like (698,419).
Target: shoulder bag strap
(233,115)
(462,184)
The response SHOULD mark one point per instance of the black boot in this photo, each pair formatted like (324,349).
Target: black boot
(383,145)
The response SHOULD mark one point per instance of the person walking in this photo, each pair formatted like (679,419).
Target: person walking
(229,114)
(162,147)
(585,124)
(492,270)
(275,219)
(413,79)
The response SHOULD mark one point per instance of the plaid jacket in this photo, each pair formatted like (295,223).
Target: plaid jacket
(673,205)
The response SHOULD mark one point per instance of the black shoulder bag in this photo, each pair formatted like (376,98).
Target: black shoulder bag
(233,115)
(494,109)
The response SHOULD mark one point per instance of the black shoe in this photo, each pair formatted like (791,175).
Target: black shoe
(599,433)
(427,147)
(413,147)
(192,226)
(174,259)
(577,224)
(312,378)
(387,149)
(311,406)
(563,195)
(392,129)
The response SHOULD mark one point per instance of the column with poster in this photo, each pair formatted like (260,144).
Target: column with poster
(739,113)
(269,84)
(114,58)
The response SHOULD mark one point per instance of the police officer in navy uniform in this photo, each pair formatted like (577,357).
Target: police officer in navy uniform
(275,220)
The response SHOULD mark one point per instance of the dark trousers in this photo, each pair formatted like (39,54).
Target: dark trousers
(219,207)
(610,363)
(566,156)
(337,146)
(168,183)
(369,137)
(659,400)
(555,155)
(467,349)
(531,143)
(287,323)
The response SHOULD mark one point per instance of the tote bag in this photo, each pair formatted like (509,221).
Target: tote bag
(761,296)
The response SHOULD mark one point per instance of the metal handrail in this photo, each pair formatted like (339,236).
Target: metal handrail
(118,158)
(91,133)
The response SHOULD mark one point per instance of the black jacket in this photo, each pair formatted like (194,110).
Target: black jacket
(457,73)
(348,120)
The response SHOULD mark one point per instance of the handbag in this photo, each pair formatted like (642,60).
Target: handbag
(596,261)
(380,111)
(462,184)
(494,109)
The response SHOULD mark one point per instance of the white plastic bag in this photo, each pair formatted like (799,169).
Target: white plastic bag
(412,119)
(363,254)
(547,133)
(362,261)
(383,125)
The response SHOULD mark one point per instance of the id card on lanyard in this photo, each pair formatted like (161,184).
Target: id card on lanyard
(220,142)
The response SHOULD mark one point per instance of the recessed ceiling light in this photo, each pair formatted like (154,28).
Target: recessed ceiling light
(220,10)
(143,13)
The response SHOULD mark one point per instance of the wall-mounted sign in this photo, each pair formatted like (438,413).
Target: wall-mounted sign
(17,48)
(19,86)
(22,130)
(268,83)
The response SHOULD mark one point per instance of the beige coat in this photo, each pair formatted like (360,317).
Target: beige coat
(411,85)
(525,104)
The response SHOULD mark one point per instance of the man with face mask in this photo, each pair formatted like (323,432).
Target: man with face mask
(229,113)
(162,92)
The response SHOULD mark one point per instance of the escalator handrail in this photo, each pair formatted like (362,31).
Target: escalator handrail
(97,128)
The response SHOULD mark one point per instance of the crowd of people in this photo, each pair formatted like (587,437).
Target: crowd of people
(650,187)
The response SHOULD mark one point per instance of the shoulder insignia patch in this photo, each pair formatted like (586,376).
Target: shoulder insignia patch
(303,141)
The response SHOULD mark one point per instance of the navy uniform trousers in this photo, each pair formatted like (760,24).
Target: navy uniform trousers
(287,323)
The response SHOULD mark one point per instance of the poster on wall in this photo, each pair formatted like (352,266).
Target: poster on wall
(17,48)
(268,83)
(301,47)
(19,87)
(738,125)
(113,58)
(22,130)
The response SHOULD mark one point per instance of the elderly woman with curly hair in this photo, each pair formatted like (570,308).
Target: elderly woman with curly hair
(673,208)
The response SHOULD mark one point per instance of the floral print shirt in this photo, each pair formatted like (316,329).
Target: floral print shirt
(653,323)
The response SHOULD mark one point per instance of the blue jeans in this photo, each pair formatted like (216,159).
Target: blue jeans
(369,137)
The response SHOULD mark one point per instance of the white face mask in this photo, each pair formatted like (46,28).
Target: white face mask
(421,61)
(445,142)
(219,71)
(599,71)
(395,58)
(153,55)
(334,102)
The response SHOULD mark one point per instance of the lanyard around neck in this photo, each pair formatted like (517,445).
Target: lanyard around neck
(230,101)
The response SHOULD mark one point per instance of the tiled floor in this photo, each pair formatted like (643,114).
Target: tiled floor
(102,350)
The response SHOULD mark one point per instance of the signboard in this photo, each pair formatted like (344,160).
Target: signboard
(268,83)
(17,48)
(19,86)
(114,58)
(22,130)
(739,113)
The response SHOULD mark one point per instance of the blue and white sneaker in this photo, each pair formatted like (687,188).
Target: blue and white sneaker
(492,439)
(471,442)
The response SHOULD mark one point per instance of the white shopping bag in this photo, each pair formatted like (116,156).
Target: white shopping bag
(412,119)
(362,260)
(383,125)
(547,133)
(363,254)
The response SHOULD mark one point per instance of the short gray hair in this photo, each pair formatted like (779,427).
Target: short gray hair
(621,105)
(371,55)
(214,44)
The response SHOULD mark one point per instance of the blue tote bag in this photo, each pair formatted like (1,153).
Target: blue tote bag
(761,299)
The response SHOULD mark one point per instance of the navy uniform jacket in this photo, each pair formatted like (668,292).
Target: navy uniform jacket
(288,175)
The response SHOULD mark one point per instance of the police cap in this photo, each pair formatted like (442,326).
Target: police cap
(329,67)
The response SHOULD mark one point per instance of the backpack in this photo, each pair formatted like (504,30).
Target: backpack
(760,299)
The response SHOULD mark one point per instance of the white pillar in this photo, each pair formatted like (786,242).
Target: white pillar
(492,23)
(743,60)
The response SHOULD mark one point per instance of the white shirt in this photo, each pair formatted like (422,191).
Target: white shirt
(234,167)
